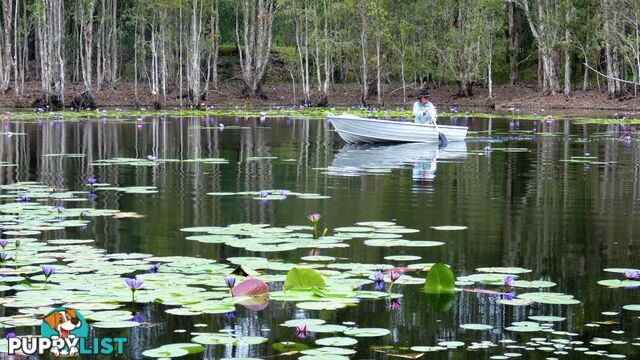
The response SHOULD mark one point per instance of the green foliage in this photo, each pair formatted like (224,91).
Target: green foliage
(444,40)
(440,280)
(303,279)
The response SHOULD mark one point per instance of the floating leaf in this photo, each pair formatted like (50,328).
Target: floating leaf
(303,279)
(440,280)
(336,341)
(427,348)
(476,327)
(367,332)
(449,227)
(174,350)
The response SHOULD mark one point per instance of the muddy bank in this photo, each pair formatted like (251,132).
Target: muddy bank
(228,95)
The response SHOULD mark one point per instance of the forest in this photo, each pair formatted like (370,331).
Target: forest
(183,49)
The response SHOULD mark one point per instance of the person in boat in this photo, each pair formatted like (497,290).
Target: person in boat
(423,109)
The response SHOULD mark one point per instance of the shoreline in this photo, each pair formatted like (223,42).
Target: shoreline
(228,95)
(309,113)
(227,100)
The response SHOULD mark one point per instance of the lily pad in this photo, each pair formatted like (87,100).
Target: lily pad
(367,332)
(336,341)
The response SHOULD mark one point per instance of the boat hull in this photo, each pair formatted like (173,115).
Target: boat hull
(355,129)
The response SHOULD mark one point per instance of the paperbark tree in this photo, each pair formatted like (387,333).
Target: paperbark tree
(254,42)
(513,42)
(86,9)
(546,23)
(49,20)
(6,54)
(193,70)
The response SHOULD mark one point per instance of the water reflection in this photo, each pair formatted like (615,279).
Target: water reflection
(527,208)
(356,159)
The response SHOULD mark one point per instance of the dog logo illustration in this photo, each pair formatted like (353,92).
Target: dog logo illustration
(66,324)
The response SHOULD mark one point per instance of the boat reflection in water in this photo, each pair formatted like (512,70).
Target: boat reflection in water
(376,159)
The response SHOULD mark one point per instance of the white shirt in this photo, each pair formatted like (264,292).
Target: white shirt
(431,115)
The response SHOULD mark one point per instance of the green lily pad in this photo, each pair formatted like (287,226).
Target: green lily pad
(114,324)
(449,228)
(367,332)
(303,279)
(336,341)
(476,327)
(440,280)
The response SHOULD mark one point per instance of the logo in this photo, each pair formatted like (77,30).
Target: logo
(65,332)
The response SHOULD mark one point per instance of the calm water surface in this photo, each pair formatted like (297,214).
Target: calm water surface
(565,221)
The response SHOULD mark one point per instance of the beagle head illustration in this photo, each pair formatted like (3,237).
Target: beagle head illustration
(63,321)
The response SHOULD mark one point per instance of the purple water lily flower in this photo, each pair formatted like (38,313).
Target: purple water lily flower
(24,199)
(378,276)
(315,217)
(394,276)
(632,275)
(509,296)
(154,268)
(60,208)
(91,180)
(138,318)
(231,281)
(10,335)
(379,286)
(395,305)
(3,243)
(134,283)
(230,315)
(301,331)
(4,257)
(509,281)
(264,193)
(91,195)
(47,271)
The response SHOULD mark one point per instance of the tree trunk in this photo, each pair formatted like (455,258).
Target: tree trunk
(614,88)
(6,56)
(193,70)
(545,26)
(86,43)
(215,46)
(365,66)
(378,70)
(489,68)
(49,37)
(567,56)
(513,43)
(324,93)
(254,44)
(303,60)
(465,89)
(16,42)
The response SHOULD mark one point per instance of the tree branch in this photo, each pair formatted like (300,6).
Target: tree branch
(610,77)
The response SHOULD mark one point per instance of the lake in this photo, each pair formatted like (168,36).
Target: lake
(558,201)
